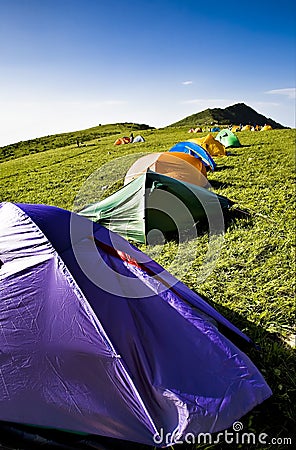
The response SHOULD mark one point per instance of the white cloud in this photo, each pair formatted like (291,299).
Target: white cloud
(186,83)
(289,92)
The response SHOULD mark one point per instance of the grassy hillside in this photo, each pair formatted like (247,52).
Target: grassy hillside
(76,138)
(251,279)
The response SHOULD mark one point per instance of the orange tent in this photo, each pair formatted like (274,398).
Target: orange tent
(176,165)
(124,140)
(191,160)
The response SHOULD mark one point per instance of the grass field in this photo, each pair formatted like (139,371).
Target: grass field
(252,280)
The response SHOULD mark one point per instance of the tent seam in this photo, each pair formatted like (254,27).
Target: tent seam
(94,319)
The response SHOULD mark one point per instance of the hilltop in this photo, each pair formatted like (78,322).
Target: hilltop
(60,140)
(235,114)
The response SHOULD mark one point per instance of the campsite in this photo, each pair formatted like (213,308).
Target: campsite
(248,276)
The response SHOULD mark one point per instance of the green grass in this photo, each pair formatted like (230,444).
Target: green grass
(76,138)
(252,279)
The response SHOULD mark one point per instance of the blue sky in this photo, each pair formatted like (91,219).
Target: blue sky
(68,64)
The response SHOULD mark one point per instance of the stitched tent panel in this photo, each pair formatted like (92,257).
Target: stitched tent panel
(211,145)
(192,148)
(122,212)
(228,138)
(186,168)
(155,201)
(266,128)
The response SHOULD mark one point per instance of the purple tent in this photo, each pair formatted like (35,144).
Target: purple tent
(97,338)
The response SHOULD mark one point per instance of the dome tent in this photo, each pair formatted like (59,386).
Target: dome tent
(153,201)
(266,128)
(192,148)
(121,141)
(138,138)
(228,139)
(89,312)
(184,168)
(211,145)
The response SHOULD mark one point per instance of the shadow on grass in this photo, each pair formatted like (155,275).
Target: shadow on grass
(276,360)
(220,168)
(232,155)
(218,184)
(22,437)
(231,217)
(236,214)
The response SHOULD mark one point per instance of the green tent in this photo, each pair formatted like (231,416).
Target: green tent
(156,204)
(228,139)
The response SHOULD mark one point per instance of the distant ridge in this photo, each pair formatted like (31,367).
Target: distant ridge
(235,114)
(53,141)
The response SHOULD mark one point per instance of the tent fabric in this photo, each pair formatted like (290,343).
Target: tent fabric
(120,141)
(211,145)
(195,162)
(192,148)
(188,169)
(256,128)
(214,129)
(120,365)
(228,139)
(156,202)
(266,128)
(122,212)
(246,128)
(195,130)
(235,128)
(138,138)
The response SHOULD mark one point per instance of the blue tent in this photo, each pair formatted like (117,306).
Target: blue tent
(195,150)
(98,338)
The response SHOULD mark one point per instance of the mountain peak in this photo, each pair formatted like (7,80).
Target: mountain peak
(239,113)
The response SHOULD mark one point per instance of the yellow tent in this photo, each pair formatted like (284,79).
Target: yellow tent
(176,165)
(246,128)
(209,143)
(235,128)
(266,128)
